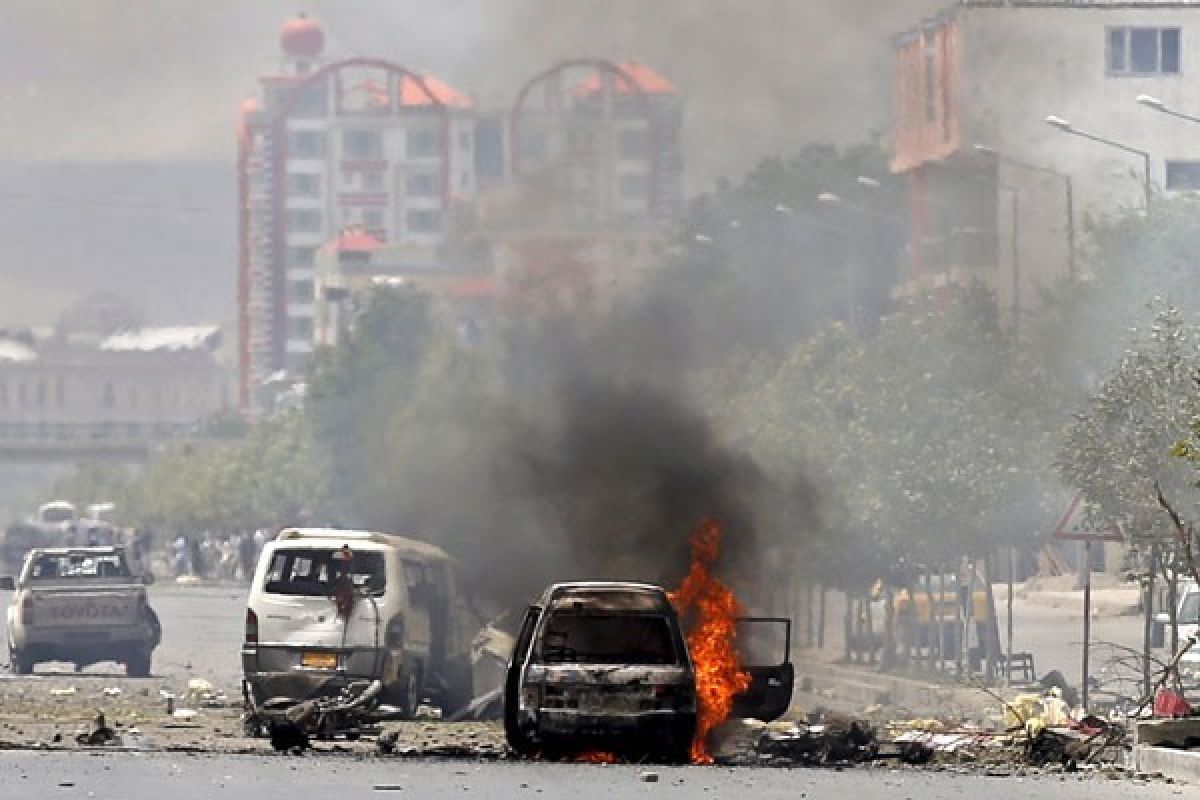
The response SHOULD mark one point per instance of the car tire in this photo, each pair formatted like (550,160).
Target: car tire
(676,747)
(410,698)
(137,665)
(20,663)
(460,687)
(405,693)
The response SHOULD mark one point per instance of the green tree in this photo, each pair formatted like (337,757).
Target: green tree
(356,388)
(1120,443)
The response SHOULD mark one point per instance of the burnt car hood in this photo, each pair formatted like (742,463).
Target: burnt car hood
(608,674)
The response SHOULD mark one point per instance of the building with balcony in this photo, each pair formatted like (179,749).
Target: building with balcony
(331,144)
(973,89)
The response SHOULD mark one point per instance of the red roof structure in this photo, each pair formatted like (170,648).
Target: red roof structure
(640,78)
(302,37)
(411,93)
(356,240)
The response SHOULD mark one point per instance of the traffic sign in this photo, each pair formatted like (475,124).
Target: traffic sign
(1074,525)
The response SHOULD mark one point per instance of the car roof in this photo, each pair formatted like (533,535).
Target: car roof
(607,595)
(89,551)
(361,540)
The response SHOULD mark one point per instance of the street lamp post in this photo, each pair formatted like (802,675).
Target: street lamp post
(1066,127)
(1153,103)
(1068,190)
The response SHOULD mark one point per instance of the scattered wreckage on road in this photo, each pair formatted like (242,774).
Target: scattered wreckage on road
(82,605)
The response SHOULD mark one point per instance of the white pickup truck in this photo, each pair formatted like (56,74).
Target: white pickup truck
(81,605)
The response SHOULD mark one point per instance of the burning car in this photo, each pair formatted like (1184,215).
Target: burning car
(606,666)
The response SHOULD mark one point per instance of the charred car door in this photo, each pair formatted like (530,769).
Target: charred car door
(512,681)
(765,646)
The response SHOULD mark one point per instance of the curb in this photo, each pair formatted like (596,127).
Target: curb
(1182,765)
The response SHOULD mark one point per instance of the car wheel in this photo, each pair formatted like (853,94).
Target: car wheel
(410,696)
(138,664)
(676,748)
(20,663)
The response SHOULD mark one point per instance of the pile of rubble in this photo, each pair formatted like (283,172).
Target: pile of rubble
(1035,731)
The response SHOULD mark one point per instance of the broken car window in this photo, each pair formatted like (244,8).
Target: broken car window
(307,573)
(572,637)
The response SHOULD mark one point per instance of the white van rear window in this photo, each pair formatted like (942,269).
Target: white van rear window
(310,572)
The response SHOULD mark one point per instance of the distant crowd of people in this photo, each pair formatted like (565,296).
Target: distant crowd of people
(217,557)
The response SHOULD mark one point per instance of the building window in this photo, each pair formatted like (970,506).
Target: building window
(372,218)
(1183,176)
(634,145)
(421,184)
(633,185)
(930,87)
(60,392)
(421,144)
(306,220)
(306,144)
(362,144)
(301,256)
(464,140)
(423,221)
(41,393)
(303,184)
(300,328)
(1144,51)
(22,395)
(133,397)
(3,395)
(311,102)
(300,291)
(372,181)
(108,398)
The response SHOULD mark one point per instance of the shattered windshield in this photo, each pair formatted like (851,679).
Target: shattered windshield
(312,573)
(572,637)
(48,567)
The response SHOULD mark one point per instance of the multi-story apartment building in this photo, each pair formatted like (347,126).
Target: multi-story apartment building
(973,90)
(596,181)
(330,144)
(568,197)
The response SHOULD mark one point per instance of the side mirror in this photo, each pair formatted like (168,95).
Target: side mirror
(7,583)
(147,578)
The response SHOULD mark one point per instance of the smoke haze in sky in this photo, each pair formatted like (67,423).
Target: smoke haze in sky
(118,82)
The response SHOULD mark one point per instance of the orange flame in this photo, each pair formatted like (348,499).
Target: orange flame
(594,757)
(711,634)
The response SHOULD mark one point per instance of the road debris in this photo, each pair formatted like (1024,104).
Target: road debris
(99,734)
(351,714)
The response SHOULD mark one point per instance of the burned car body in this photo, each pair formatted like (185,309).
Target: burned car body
(606,666)
(602,664)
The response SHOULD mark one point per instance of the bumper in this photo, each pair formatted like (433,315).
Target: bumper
(83,645)
(82,638)
(277,670)
(560,722)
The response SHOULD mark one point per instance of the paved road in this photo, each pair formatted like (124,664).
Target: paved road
(30,775)
(202,634)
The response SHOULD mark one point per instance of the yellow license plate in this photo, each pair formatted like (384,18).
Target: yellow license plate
(319,660)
